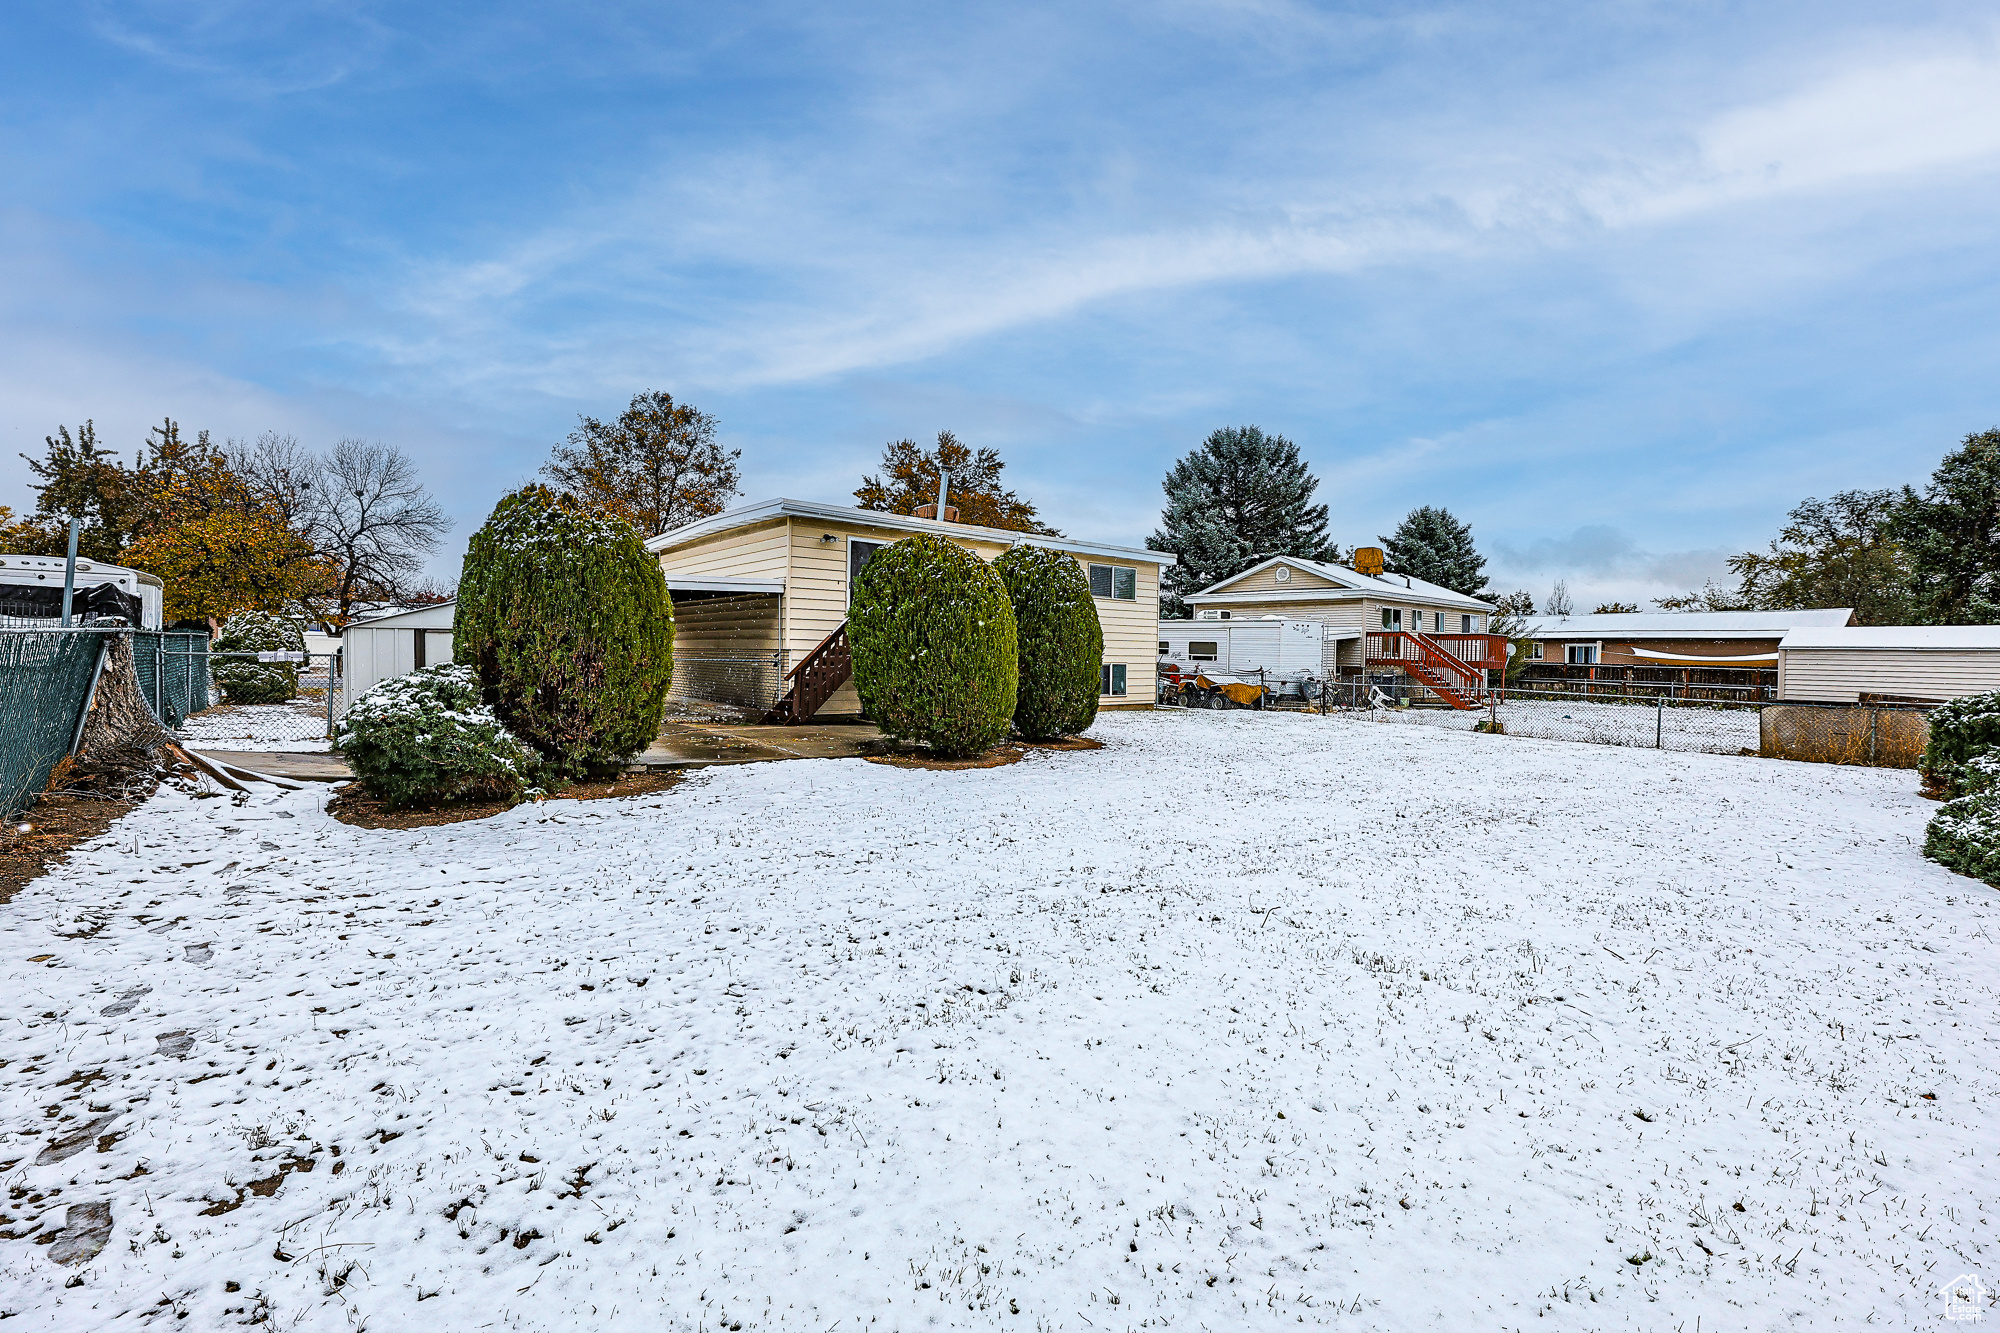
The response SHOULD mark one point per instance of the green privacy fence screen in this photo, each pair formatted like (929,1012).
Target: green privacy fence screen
(45,678)
(173,673)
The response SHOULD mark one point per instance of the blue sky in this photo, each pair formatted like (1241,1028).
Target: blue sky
(1617,283)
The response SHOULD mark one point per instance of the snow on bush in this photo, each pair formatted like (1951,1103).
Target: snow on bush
(934,647)
(245,680)
(565,616)
(428,737)
(1060,643)
(1962,762)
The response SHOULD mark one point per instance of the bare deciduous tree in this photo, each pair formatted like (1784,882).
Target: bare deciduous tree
(375,520)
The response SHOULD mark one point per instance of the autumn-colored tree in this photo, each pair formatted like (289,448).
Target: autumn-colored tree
(230,560)
(910,478)
(657,466)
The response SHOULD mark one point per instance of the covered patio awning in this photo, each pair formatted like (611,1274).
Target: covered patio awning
(1685,659)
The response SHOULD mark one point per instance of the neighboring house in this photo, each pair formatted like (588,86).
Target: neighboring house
(1739,639)
(1888,663)
(761,595)
(374,650)
(1354,610)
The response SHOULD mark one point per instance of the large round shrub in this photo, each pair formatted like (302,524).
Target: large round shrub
(933,641)
(428,737)
(1960,731)
(565,617)
(244,680)
(1059,641)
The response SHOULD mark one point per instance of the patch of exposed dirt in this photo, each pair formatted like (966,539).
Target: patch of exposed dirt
(54,825)
(1008,752)
(355,806)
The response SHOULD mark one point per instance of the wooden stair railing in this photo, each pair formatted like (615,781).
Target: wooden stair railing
(1460,685)
(819,673)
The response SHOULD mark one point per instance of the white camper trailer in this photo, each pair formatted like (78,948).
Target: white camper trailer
(39,579)
(1285,655)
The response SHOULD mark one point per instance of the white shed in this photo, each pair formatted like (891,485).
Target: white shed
(1888,663)
(373,651)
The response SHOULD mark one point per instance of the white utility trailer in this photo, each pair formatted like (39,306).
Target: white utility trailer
(1287,656)
(40,579)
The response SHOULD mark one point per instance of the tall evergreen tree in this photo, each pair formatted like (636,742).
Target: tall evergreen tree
(1242,497)
(1433,546)
(1950,536)
(1836,552)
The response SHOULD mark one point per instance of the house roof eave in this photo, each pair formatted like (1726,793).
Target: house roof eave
(771,510)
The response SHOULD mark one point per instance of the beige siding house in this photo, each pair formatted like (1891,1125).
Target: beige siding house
(769,583)
(1347,606)
(1888,663)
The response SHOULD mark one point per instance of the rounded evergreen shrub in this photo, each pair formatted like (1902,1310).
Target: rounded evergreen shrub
(932,636)
(1961,731)
(244,680)
(428,738)
(1059,642)
(565,617)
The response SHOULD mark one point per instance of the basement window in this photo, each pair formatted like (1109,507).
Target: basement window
(1111,678)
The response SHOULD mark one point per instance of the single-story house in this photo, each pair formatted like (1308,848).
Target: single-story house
(1743,639)
(396,644)
(1888,663)
(1355,611)
(761,594)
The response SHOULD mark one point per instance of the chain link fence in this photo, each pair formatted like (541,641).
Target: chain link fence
(1877,735)
(45,680)
(301,725)
(1657,721)
(173,673)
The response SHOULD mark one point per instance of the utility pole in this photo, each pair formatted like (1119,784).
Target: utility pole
(69,574)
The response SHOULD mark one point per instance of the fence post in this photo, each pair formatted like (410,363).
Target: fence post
(1659,721)
(90,695)
(1874,721)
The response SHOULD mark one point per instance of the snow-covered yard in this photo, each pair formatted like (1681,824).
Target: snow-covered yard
(1249,1020)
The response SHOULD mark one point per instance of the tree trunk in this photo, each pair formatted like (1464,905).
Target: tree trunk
(122,740)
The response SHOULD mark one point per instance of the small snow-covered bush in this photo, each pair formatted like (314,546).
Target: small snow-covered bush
(1961,731)
(428,737)
(1059,642)
(1965,836)
(934,646)
(244,680)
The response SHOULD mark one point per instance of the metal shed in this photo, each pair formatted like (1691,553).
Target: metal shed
(1888,663)
(375,650)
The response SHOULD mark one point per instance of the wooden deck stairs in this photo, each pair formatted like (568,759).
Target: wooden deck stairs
(819,673)
(1445,674)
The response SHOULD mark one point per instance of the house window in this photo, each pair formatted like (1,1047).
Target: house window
(1111,678)
(1204,650)
(1119,582)
(1391,619)
(1583,654)
(859,552)
(1534,652)
(1465,624)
